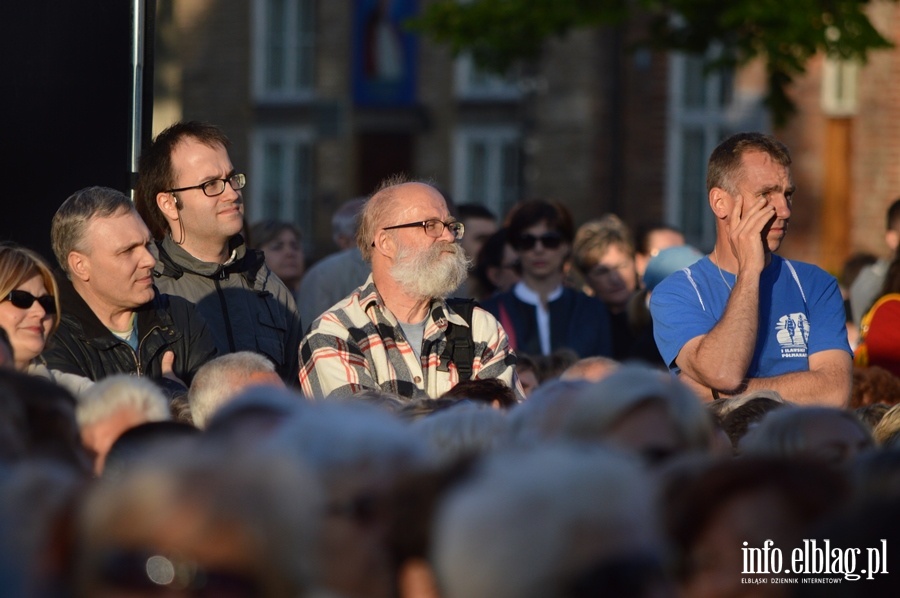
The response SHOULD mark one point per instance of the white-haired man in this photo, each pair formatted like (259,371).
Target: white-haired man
(391,334)
(219,381)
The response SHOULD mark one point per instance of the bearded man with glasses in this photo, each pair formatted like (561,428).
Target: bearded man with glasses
(189,194)
(541,314)
(391,333)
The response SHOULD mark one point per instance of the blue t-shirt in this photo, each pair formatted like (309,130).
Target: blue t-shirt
(801,312)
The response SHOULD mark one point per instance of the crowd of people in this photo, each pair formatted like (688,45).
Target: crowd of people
(452,405)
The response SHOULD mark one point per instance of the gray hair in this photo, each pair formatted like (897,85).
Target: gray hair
(71,219)
(345,220)
(490,542)
(540,417)
(723,407)
(337,438)
(121,391)
(782,433)
(600,406)
(222,379)
(464,429)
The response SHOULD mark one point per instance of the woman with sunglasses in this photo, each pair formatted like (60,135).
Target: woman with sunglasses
(29,303)
(539,313)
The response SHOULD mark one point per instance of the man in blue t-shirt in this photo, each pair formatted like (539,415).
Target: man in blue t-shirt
(743,318)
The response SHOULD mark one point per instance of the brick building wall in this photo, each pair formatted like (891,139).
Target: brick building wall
(594,123)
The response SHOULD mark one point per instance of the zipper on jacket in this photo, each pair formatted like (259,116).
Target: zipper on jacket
(225,317)
(137,354)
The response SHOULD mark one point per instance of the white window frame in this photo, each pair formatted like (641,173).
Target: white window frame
(297,48)
(295,203)
(495,137)
(712,121)
(493,87)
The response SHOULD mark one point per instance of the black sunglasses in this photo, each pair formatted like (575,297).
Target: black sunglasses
(24,300)
(550,240)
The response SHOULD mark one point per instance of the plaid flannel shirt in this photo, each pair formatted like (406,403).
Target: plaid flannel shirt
(358,344)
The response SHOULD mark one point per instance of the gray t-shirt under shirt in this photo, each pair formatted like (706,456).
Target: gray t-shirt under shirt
(414,334)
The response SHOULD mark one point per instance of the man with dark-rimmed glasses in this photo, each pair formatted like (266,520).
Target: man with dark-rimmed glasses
(189,194)
(391,333)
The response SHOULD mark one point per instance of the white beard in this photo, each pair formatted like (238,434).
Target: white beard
(434,272)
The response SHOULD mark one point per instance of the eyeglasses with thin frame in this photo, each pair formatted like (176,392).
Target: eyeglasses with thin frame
(435,228)
(216,186)
(24,300)
(550,240)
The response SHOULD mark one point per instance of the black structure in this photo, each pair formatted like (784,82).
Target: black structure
(66,106)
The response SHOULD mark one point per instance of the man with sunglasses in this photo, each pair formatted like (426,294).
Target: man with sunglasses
(541,314)
(189,193)
(391,333)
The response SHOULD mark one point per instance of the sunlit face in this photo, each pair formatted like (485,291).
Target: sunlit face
(284,257)
(118,262)
(28,328)
(423,265)
(541,262)
(417,202)
(761,177)
(211,220)
(613,278)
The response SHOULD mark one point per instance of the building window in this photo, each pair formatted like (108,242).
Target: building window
(281,183)
(283,49)
(704,108)
(473,83)
(487,167)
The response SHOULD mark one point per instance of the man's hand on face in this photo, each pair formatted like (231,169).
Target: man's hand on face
(745,228)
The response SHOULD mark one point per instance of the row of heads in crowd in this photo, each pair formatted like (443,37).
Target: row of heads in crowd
(627,486)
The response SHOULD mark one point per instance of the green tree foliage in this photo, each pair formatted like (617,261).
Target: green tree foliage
(785,34)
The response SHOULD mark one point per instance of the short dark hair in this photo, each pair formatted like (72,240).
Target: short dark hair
(532,211)
(265,231)
(465,211)
(893,216)
(155,172)
(725,160)
(483,390)
(643,231)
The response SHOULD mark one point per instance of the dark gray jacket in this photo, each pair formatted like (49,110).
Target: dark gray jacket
(246,307)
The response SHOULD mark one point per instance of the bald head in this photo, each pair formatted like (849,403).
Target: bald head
(397,201)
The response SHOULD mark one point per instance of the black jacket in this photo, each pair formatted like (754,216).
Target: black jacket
(245,305)
(84,346)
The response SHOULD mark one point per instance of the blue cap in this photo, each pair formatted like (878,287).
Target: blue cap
(667,261)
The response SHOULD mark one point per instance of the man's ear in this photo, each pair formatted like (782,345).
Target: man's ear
(384,244)
(720,202)
(168,204)
(79,265)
